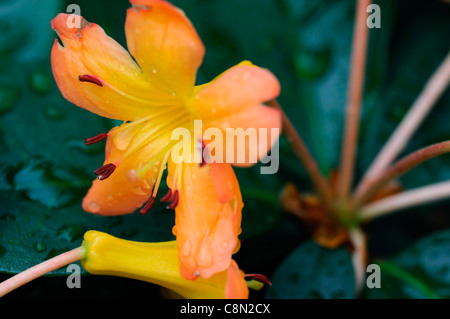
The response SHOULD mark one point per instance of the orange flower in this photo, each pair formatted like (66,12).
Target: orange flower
(154,96)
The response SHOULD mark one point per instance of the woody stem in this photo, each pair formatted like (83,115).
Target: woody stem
(398,169)
(41,269)
(410,198)
(299,148)
(355,94)
(433,89)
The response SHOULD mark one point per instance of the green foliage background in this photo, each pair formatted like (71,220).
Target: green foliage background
(45,168)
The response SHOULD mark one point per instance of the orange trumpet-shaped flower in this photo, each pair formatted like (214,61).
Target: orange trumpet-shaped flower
(155,94)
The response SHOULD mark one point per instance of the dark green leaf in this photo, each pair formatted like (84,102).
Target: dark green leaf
(311,271)
(421,271)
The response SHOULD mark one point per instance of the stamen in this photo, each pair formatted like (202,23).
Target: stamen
(161,170)
(95,139)
(166,198)
(105,171)
(145,209)
(175,199)
(260,278)
(90,78)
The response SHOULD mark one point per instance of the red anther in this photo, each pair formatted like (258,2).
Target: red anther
(145,209)
(95,139)
(105,171)
(260,278)
(90,78)
(166,198)
(175,199)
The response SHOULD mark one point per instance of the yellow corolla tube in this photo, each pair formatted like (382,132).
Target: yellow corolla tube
(157,263)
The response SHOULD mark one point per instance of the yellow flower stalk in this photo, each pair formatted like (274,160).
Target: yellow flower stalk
(157,263)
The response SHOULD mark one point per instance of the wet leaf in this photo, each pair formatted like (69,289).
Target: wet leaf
(312,272)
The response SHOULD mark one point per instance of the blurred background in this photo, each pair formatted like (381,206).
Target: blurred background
(45,168)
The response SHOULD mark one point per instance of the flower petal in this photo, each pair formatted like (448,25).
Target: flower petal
(236,287)
(233,103)
(123,192)
(164,42)
(207,229)
(125,92)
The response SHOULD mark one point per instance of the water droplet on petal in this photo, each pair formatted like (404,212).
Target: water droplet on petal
(110,197)
(186,250)
(245,77)
(139,190)
(224,244)
(93,207)
(132,176)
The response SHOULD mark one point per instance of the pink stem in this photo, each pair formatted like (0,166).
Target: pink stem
(40,270)
(355,94)
(433,89)
(410,198)
(397,169)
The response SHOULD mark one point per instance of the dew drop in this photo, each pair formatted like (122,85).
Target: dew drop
(139,203)
(39,247)
(53,112)
(146,184)
(224,244)
(121,67)
(93,207)
(8,95)
(40,82)
(174,230)
(155,169)
(245,77)
(132,176)
(185,251)
(139,190)
(71,232)
(110,197)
